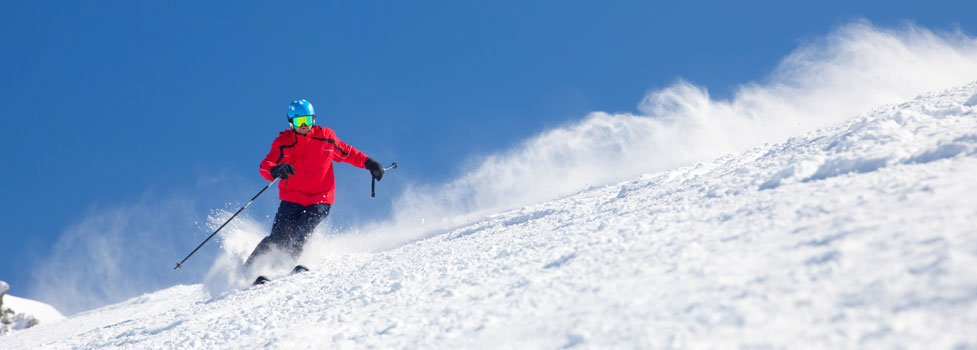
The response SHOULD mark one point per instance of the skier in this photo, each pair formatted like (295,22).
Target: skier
(302,157)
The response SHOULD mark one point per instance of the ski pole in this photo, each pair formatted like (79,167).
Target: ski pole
(180,264)
(373,185)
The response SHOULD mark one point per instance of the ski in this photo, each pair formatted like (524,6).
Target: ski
(262,279)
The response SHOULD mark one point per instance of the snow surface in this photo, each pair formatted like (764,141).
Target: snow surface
(24,309)
(19,313)
(859,235)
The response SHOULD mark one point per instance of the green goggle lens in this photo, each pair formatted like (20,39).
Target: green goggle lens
(297,122)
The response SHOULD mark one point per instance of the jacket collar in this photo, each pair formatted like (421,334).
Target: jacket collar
(315,131)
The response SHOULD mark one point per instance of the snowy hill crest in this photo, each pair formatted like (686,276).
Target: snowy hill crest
(853,236)
(19,313)
(903,134)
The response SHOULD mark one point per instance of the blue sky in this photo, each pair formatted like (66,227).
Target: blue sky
(113,105)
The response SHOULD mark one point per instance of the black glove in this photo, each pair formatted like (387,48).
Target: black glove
(283,170)
(375,168)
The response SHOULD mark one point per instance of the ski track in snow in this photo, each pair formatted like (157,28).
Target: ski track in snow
(860,235)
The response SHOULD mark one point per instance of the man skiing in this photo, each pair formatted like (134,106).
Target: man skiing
(302,157)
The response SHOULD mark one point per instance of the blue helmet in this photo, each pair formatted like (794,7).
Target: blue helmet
(299,108)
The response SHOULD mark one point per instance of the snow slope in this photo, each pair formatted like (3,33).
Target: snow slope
(860,235)
(25,310)
(19,313)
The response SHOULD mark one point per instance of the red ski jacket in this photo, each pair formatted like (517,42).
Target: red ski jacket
(312,155)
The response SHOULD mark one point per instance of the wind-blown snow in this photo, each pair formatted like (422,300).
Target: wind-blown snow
(859,235)
(848,72)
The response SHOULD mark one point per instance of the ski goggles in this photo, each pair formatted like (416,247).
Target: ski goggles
(297,122)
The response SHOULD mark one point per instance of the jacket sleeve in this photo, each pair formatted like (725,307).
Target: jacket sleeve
(271,160)
(348,154)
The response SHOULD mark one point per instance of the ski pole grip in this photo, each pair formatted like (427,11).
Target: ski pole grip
(373,183)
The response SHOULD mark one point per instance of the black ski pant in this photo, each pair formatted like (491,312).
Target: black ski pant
(292,227)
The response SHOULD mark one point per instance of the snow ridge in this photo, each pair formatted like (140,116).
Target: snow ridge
(853,236)
(19,313)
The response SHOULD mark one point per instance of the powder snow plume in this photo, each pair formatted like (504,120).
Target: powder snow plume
(856,67)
